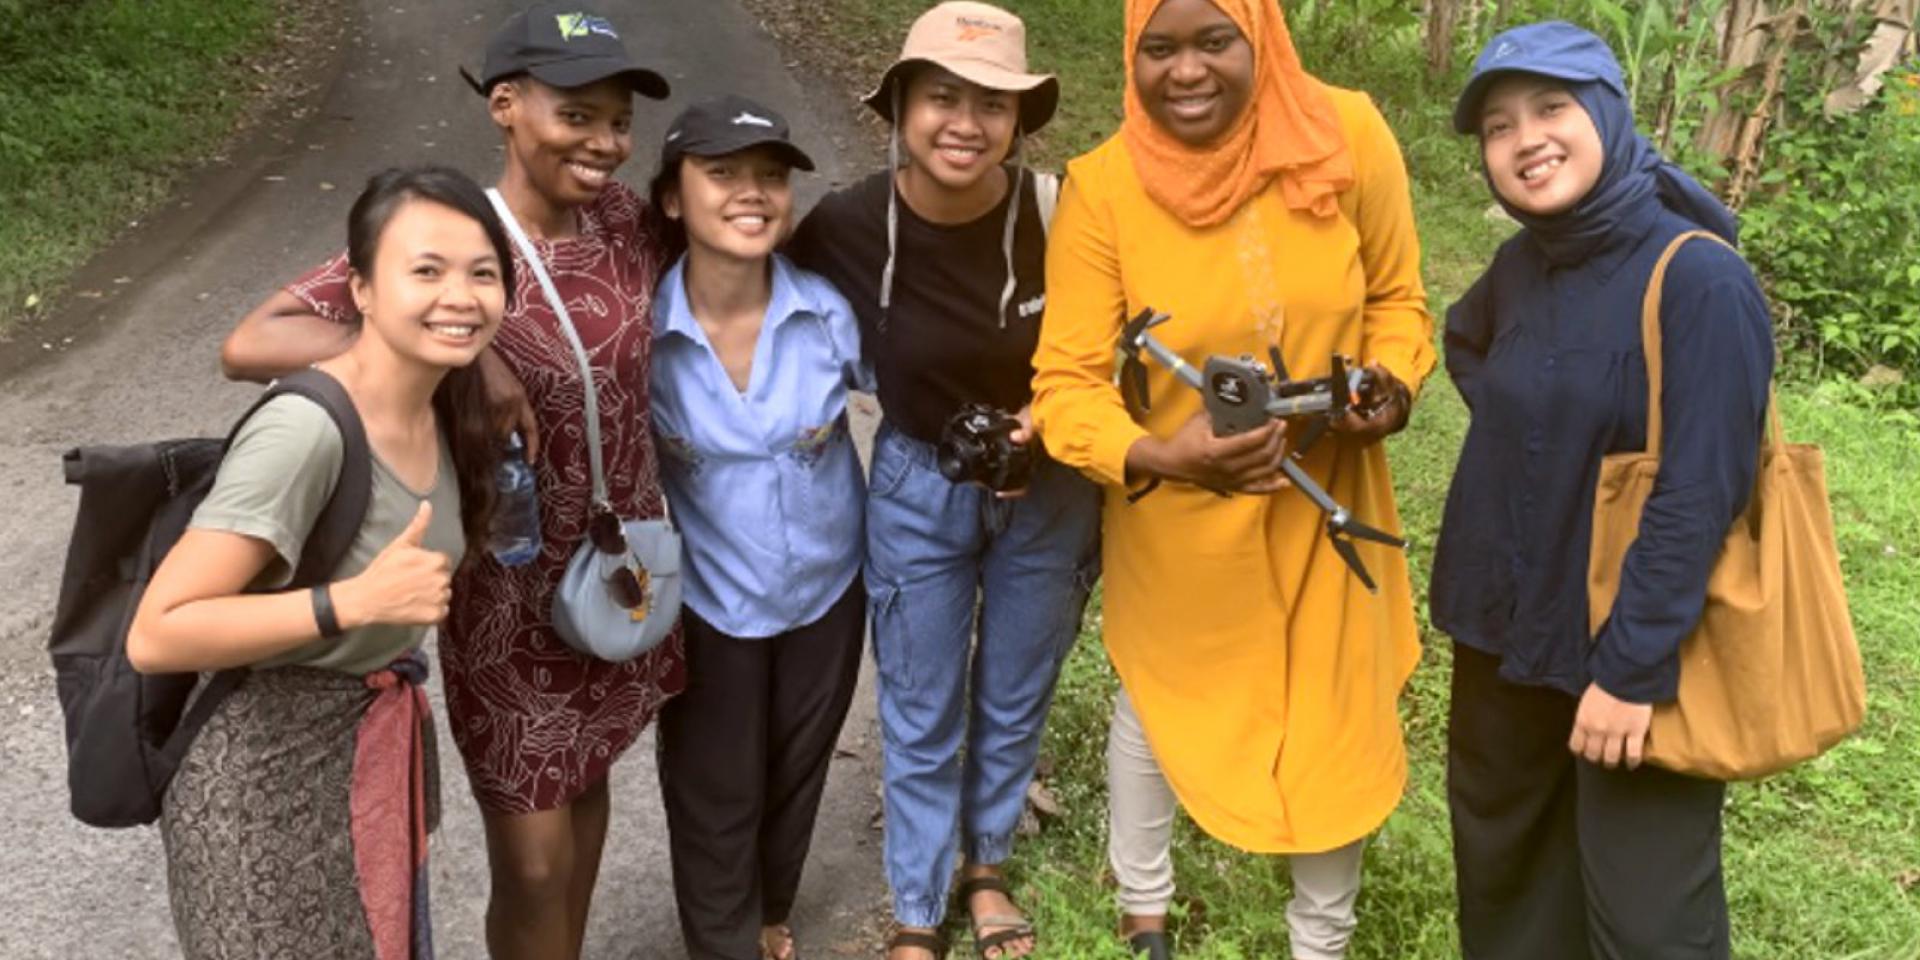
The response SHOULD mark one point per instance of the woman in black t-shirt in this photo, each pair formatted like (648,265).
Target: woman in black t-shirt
(942,256)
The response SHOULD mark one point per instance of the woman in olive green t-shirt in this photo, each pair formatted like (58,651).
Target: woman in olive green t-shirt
(296,824)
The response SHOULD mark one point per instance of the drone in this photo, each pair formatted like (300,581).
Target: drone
(1242,394)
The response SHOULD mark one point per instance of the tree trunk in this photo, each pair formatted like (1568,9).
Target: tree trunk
(1442,18)
(1751,142)
(1743,47)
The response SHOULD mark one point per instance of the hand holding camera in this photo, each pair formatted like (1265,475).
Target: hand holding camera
(985,445)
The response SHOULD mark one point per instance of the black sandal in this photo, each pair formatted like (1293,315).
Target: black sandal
(932,942)
(1152,944)
(1016,927)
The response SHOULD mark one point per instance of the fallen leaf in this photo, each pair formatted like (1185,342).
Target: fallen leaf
(33,300)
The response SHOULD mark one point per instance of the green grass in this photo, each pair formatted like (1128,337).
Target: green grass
(105,102)
(1822,862)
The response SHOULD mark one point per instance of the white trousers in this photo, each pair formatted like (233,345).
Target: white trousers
(1140,808)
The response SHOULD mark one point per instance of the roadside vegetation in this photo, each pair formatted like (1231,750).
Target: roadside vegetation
(1823,862)
(104,104)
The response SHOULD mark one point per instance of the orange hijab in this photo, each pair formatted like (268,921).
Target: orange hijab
(1289,130)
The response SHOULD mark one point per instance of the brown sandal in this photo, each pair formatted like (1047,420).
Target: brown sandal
(931,942)
(1014,927)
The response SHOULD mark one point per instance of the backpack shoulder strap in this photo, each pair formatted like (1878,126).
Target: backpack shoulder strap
(1046,192)
(339,522)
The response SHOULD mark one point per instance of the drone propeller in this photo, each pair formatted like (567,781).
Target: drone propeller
(1133,385)
(1340,393)
(1133,371)
(1360,531)
(1352,557)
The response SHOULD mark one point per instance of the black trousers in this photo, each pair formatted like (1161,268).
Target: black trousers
(1559,859)
(743,762)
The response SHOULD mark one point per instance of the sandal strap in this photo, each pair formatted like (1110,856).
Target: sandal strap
(999,921)
(991,941)
(1153,944)
(914,938)
(981,884)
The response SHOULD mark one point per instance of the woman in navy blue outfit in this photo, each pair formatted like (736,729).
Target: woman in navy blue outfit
(1565,846)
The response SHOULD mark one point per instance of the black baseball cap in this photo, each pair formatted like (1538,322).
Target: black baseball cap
(562,45)
(727,124)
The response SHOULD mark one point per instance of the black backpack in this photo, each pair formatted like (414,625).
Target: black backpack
(127,732)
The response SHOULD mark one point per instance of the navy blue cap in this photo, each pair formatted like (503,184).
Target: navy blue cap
(1554,49)
(562,45)
(717,126)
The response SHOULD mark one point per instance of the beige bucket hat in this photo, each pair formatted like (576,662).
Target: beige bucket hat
(980,43)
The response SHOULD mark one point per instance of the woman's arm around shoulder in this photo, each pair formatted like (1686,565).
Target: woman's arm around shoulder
(307,321)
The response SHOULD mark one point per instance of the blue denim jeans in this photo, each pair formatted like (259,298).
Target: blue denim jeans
(941,556)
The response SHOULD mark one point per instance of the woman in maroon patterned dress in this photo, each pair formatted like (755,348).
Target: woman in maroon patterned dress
(538,724)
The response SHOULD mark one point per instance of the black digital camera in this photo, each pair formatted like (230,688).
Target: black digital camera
(976,446)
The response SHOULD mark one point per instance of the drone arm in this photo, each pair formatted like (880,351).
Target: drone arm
(1172,361)
(1306,485)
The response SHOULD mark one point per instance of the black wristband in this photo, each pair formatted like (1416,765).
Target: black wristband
(323,612)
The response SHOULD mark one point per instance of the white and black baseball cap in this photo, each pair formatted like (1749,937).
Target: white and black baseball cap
(728,124)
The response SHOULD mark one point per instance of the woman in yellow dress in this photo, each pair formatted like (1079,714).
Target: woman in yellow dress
(1258,207)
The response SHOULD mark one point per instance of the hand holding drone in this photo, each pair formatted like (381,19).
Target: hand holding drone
(1241,395)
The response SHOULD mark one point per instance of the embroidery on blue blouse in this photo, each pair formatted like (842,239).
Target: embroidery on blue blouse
(813,442)
(683,450)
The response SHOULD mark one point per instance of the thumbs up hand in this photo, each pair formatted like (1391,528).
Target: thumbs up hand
(406,584)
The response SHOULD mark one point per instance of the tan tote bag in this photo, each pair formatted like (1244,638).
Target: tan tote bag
(1771,674)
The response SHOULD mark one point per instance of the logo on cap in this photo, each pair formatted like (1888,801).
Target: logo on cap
(746,119)
(578,26)
(974,28)
(1507,48)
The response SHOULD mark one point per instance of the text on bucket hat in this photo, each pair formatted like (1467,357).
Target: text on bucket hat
(979,43)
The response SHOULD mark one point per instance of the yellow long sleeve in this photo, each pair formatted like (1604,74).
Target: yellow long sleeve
(1082,419)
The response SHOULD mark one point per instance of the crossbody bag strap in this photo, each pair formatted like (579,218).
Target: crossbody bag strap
(1651,345)
(532,257)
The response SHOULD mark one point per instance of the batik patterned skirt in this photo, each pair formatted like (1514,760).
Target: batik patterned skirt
(296,825)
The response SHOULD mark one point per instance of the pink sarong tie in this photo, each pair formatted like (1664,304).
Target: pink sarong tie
(389,807)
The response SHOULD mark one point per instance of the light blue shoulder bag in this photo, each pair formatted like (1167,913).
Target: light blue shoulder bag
(620,595)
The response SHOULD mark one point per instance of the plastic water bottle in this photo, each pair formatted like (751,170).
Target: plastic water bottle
(514,536)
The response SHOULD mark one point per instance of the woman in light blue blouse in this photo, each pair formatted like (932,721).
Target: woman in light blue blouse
(751,364)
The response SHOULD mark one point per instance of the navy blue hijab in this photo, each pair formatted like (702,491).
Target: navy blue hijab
(1633,174)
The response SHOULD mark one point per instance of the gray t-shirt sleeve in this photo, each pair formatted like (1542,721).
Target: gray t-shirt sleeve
(275,480)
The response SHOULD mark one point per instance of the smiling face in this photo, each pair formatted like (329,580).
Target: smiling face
(1542,150)
(568,141)
(435,293)
(1193,71)
(955,131)
(738,205)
